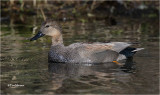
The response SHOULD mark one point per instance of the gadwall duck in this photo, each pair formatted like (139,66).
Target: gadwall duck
(82,52)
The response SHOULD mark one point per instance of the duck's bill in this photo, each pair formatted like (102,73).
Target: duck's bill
(38,35)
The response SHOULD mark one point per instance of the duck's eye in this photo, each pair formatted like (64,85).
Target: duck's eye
(47,26)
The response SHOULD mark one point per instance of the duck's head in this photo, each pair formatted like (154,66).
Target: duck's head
(50,28)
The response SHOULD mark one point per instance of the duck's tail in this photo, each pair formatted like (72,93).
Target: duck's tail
(129,51)
(137,49)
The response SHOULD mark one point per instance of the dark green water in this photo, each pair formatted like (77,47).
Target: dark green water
(25,63)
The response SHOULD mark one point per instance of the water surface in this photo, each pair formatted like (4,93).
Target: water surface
(25,63)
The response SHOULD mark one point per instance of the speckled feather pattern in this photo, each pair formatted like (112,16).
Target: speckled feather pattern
(86,53)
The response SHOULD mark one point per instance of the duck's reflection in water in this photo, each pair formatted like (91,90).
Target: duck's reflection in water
(76,77)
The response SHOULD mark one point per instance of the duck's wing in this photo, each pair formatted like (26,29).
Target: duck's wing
(97,52)
(92,53)
(95,47)
(99,47)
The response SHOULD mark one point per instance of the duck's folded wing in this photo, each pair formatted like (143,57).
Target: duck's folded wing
(94,52)
(98,47)
(99,51)
(95,48)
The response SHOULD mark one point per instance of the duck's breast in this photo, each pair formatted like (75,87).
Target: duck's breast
(57,54)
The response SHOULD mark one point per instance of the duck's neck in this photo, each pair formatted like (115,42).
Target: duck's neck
(57,40)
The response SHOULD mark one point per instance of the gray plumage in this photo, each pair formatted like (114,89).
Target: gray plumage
(88,53)
(82,52)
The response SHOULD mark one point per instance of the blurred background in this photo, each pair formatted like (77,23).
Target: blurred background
(23,11)
(25,63)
